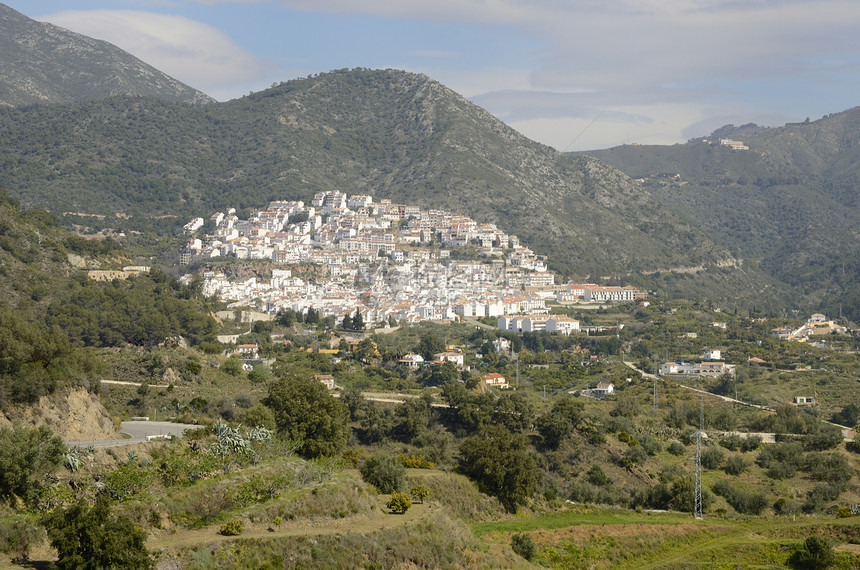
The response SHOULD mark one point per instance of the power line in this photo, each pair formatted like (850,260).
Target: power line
(582,132)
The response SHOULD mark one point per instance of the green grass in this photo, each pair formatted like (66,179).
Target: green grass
(593,537)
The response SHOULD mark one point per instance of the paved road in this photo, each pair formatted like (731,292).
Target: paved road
(140,431)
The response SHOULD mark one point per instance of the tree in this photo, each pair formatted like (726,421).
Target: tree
(232,366)
(384,472)
(92,538)
(26,456)
(815,553)
(358,321)
(306,413)
(502,465)
(366,350)
(429,345)
(399,503)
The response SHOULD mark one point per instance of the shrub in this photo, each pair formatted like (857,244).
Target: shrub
(94,538)
(399,502)
(736,464)
(634,456)
(596,476)
(415,461)
(232,527)
(746,502)
(676,448)
(712,457)
(650,444)
(27,455)
(815,553)
(384,472)
(420,493)
(523,545)
(783,506)
(17,536)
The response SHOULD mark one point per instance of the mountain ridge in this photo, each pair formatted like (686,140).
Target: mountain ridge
(791,200)
(46,64)
(388,133)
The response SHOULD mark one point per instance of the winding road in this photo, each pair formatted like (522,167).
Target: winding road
(139,432)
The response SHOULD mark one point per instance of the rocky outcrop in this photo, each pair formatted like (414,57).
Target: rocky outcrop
(75,415)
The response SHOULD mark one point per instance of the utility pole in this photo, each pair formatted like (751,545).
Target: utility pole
(517,354)
(697,500)
(654,360)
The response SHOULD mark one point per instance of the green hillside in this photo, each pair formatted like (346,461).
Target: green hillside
(790,201)
(387,133)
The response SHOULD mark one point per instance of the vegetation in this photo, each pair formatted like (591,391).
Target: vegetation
(384,472)
(305,412)
(93,537)
(27,456)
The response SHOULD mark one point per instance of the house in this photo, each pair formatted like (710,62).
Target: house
(455,358)
(326,379)
(248,351)
(496,380)
(712,355)
(413,361)
(804,400)
(603,390)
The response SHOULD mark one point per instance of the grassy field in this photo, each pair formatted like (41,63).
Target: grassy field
(591,537)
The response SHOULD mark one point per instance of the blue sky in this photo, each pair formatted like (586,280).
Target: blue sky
(573,74)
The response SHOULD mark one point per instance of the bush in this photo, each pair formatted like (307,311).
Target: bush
(27,455)
(712,457)
(523,545)
(399,503)
(634,456)
(384,472)
(736,464)
(746,502)
(232,527)
(94,538)
(420,493)
(17,536)
(815,553)
(596,476)
(676,448)
(650,444)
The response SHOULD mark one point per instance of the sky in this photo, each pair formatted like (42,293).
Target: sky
(572,74)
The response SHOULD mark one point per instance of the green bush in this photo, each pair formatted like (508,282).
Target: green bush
(736,464)
(420,493)
(523,545)
(712,457)
(399,502)
(676,448)
(232,527)
(27,455)
(746,502)
(815,553)
(384,472)
(95,538)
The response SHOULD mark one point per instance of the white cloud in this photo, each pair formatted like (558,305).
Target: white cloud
(195,53)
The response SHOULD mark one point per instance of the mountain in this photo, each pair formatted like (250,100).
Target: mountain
(387,133)
(790,201)
(45,64)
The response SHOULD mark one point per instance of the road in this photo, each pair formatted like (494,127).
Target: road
(139,432)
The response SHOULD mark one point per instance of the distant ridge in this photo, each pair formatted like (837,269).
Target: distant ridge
(791,201)
(44,64)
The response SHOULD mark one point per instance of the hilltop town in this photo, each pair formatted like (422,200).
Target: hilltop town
(390,262)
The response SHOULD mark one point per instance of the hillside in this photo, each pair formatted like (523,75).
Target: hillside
(45,64)
(387,133)
(791,200)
